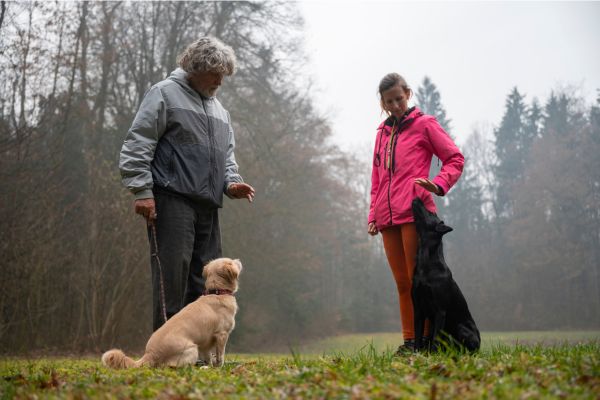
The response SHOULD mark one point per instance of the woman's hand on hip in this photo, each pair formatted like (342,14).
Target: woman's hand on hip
(428,185)
(373,229)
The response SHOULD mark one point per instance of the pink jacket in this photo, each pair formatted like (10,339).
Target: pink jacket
(418,138)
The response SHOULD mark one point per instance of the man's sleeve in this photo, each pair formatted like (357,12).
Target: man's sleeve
(231,167)
(138,149)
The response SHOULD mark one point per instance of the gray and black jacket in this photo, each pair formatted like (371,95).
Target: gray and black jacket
(180,142)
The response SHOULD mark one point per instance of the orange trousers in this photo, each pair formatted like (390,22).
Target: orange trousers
(400,243)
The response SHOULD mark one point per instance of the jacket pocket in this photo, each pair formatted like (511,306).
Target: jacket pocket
(162,164)
(190,170)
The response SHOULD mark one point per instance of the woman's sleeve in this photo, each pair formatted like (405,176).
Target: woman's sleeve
(374,187)
(444,148)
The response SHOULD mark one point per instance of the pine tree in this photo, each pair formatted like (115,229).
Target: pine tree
(533,124)
(556,112)
(429,101)
(510,149)
(595,113)
(553,230)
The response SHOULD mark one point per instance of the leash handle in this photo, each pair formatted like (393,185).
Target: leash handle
(160,273)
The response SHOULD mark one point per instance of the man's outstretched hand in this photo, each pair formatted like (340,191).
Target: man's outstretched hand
(241,191)
(146,208)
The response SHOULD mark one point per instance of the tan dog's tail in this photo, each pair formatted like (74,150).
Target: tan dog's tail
(116,359)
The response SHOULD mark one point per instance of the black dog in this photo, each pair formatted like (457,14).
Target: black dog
(435,294)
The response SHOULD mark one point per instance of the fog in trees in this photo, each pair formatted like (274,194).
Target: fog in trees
(75,258)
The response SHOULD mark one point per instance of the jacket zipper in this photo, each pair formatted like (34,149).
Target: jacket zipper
(210,148)
(389,193)
(392,167)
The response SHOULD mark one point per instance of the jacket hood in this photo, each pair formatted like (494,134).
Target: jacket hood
(410,115)
(180,76)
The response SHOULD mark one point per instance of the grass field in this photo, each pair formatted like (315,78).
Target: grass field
(355,366)
(390,341)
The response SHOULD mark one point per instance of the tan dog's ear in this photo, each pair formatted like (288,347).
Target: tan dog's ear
(229,272)
(239,263)
(205,269)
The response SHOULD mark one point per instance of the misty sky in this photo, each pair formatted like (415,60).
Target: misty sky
(474,52)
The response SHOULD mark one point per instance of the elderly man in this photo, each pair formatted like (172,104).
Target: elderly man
(178,160)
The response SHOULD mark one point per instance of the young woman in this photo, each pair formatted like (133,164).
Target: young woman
(404,146)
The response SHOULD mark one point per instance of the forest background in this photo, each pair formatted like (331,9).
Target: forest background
(74,259)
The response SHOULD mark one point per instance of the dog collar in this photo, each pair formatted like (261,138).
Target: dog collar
(218,292)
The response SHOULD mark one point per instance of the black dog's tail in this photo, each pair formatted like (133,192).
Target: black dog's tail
(470,337)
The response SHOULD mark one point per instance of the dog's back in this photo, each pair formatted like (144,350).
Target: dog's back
(460,325)
(197,330)
(436,296)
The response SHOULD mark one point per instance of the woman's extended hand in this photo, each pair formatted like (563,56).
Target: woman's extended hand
(428,185)
(373,229)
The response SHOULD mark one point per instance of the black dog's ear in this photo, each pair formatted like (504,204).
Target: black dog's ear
(443,228)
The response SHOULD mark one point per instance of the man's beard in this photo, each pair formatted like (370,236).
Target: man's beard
(209,93)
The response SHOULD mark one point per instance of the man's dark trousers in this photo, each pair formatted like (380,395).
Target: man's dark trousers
(188,237)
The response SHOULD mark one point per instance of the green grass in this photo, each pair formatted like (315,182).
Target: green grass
(498,371)
(390,341)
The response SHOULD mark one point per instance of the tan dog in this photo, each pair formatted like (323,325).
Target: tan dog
(196,330)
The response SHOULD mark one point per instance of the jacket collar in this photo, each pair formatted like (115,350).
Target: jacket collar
(180,76)
(409,116)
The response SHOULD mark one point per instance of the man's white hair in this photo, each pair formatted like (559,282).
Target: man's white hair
(208,54)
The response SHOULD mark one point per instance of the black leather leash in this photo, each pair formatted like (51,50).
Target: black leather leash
(160,273)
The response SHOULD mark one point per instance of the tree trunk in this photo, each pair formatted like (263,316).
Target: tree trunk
(2,12)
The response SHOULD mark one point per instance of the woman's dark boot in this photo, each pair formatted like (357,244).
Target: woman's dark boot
(427,344)
(406,349)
